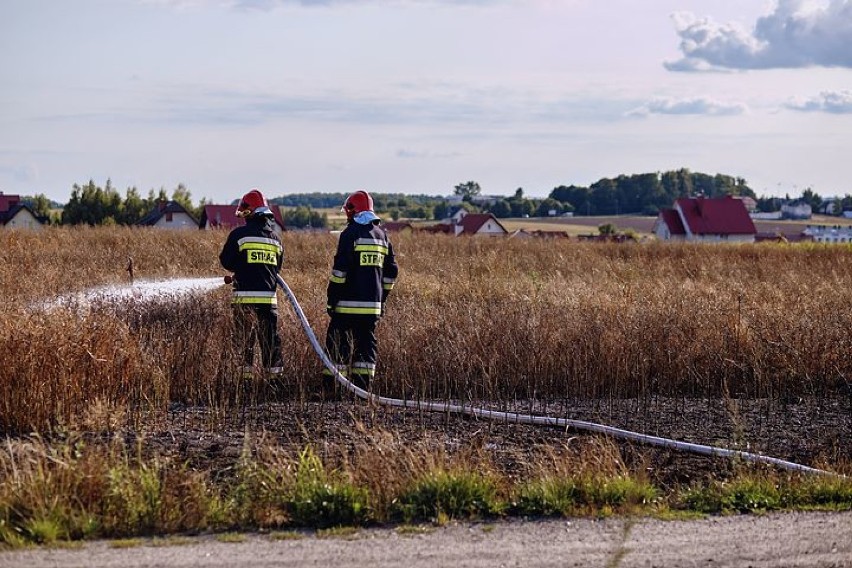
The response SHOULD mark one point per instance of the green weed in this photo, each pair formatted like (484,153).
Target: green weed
(454,494)
(563,496)
(323,499)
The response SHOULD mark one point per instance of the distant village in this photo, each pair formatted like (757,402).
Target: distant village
(720,219)
(677,205)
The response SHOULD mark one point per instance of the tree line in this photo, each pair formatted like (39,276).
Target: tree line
(638,194)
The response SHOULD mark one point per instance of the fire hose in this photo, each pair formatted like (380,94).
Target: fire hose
(538,420)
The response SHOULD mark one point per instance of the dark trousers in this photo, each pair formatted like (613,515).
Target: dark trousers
(258,324)
(351,344)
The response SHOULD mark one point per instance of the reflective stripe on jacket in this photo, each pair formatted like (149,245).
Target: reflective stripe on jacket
(364,271)
(254,254)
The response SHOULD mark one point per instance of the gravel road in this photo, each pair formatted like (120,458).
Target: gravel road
(789,540)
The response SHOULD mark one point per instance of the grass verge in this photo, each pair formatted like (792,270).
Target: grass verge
(50,496)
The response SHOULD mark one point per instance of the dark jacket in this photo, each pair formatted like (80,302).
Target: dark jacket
(364,271)
(254,254)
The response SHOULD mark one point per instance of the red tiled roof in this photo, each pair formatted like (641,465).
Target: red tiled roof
(8,201)
(220,217)
(672,221)
(472,222)
(722,216)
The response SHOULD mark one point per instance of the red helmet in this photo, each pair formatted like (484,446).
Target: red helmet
(357,202)
(250,202)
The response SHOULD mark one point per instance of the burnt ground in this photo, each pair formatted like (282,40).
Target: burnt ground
(814,432)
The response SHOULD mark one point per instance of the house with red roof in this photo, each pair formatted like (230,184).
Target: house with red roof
(480,224)
(15,214)
(472,224)
(723,219)
(225,217)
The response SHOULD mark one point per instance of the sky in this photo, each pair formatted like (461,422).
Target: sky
(418,96)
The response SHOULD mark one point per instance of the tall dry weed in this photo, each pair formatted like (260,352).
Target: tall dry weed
(493,321)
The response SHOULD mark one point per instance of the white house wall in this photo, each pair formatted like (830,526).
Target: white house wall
(490,228)
(662,231)
(715,238)
(179,221)
(23,220)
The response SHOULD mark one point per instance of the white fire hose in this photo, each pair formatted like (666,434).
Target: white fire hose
(432,406)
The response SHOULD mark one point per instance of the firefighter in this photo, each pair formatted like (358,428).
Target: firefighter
(253,252)
(363,275)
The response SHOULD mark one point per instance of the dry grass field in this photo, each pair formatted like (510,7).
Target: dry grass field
(743,346)
(491,320)
(643,226)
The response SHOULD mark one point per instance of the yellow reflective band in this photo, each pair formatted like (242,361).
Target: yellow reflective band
(338,279)
(262,300)
(255,301)
(358,311)
(387,286)
(259,240)
(371,248)
(260,246)
(368,372)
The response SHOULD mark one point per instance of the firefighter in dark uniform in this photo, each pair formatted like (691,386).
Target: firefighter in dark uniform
(363,275)
(253,252)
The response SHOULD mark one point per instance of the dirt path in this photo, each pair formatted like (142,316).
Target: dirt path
(792,539)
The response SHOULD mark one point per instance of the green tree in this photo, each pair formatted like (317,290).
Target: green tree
(548,205)
(39,203)
(813,199)
(441,210)
(467,190)
(521,207)
(501,209)
(304,217)
(604,197)
(92,205)
(133,208)
(418,212)
(577,196)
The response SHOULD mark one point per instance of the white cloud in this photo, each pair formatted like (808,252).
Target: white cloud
(834,102)
(798,33)
(689,106)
